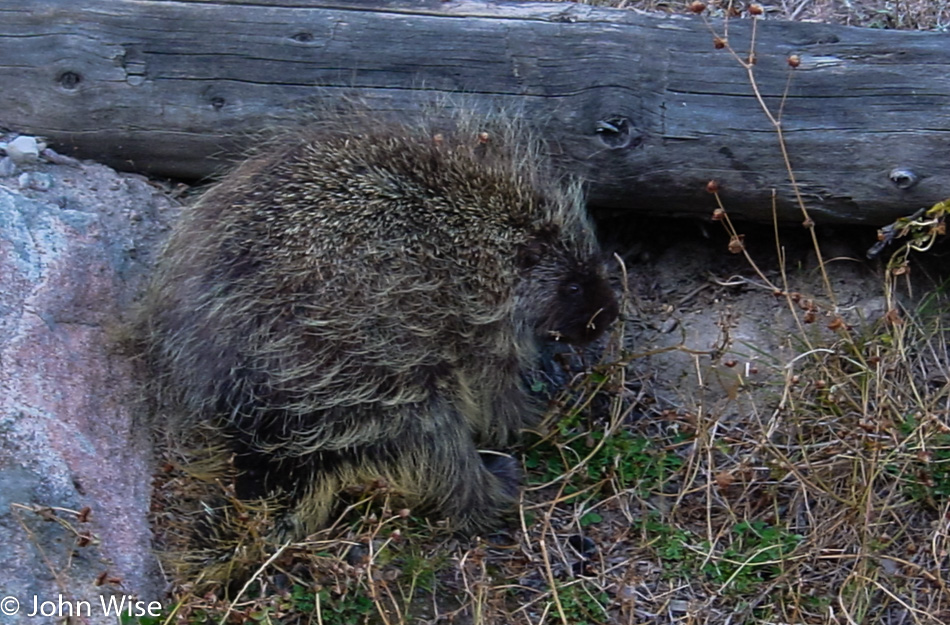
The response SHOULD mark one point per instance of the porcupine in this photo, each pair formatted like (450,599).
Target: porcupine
(359,302)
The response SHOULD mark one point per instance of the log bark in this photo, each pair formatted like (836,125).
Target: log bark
(642,106)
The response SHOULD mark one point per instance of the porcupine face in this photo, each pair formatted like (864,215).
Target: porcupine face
(563,293)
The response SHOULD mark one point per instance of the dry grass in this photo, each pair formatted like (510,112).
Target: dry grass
(900,14)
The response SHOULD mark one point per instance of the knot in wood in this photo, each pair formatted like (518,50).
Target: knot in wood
(69,80)
(903,178)
(616,132)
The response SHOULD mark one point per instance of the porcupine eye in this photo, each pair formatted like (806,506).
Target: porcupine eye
(572,291)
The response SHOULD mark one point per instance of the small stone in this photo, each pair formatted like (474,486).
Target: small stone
(7,167)
(680,606)
(358,554)
(583,545)
(35,180)
(24,149)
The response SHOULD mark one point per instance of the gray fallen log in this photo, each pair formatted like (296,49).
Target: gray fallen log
(642,106)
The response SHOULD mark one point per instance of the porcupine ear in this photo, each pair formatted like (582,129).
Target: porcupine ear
(530,254)
(533,251)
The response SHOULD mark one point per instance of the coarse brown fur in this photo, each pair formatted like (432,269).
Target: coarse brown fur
(358,303)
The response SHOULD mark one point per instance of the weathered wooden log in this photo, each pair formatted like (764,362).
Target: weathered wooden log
(642,106)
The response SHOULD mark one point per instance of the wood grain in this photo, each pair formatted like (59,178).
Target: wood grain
(642,106)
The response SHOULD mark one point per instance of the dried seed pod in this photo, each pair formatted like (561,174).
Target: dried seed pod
(736,244)
(697,7)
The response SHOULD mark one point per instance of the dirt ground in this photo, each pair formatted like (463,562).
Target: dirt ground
(703,323)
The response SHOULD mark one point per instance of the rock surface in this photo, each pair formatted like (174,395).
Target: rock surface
(74,252)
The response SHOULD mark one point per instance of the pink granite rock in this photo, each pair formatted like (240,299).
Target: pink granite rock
(74,253)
